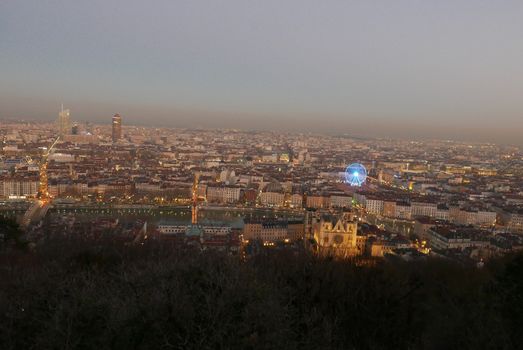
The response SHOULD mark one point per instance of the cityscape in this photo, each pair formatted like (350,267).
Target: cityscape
(261,175)
(241,191)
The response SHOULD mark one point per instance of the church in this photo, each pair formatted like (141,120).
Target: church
(338,238)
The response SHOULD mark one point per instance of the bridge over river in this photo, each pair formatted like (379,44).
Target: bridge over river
(181,214)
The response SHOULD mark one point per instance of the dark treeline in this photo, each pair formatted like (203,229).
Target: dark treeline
(89,295)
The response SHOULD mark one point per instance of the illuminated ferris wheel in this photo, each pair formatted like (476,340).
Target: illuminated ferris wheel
(355,174)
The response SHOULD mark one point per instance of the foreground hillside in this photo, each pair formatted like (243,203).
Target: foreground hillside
(82,295)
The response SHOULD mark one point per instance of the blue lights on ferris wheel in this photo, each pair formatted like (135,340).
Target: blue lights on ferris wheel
(355,174)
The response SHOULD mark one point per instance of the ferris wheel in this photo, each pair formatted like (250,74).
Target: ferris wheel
(355,174)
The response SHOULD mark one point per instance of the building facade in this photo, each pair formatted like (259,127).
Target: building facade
(116,128)
(338,239)
(64,122)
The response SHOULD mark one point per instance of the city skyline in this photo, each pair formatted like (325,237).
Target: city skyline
(416,132)
(340,174)
(408,70)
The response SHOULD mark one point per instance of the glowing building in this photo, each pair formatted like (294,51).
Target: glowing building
(337,238)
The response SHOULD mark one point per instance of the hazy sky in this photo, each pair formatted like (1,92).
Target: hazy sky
(442,68)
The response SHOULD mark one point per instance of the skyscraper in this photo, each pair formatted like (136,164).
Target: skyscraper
(117,127)
(75,129)
(64,122)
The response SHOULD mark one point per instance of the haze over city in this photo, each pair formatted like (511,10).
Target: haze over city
(409,69)
(291,174)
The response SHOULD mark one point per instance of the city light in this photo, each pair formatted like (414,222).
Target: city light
(280,175)
(355,174)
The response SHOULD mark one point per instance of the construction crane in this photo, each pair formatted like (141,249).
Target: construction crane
(194,211)
(43,193)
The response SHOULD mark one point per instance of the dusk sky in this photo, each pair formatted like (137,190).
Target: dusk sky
(440,68)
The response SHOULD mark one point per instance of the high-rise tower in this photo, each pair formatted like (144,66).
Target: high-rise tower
(64,122)
(75,129)
(117,127)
